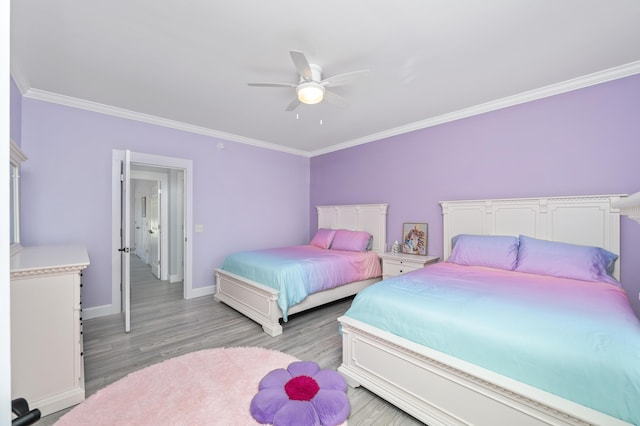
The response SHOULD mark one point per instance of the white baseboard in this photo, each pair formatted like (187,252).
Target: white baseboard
(175,278)
(201,291)
(97,311)
(104,310)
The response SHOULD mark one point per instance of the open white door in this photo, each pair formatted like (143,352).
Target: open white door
(125,237)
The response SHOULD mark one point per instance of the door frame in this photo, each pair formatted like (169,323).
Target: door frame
(157,161)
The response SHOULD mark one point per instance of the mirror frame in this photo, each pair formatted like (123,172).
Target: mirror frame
(17,158)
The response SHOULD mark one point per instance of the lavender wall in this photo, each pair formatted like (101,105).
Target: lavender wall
(246,197)
(15,113)
(584,142)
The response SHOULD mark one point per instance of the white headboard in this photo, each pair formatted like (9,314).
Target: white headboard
(371,218)
(586,220)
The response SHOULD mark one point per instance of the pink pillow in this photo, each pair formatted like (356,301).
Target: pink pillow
(350,240)
(323,238)
(494,251)
(566,260)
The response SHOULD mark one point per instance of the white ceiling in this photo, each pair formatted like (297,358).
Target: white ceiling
(186,64)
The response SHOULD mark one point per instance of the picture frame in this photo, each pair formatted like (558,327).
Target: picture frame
(415,238)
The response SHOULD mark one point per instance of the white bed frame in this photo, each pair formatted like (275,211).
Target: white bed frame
(442,390)
(259,302)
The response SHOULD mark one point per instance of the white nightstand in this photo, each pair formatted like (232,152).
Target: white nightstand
(400,263)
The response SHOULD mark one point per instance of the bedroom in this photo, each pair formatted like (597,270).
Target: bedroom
(579,142)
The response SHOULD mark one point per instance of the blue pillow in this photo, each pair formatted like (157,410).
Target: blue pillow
(565,260)
(494,251)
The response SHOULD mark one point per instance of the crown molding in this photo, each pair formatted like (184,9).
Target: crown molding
(21,83)
(19,78)
(151,119)
(532,95)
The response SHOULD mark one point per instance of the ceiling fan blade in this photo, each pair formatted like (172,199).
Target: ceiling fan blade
(302,65)
(293,105)
(334,99)
(341,79)
(272,84)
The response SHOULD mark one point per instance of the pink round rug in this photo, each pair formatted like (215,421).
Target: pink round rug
(213,386)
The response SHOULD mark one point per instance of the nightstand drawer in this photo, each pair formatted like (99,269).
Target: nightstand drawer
(399,267)
(394,264)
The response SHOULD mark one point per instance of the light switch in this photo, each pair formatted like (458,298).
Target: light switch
(199,227)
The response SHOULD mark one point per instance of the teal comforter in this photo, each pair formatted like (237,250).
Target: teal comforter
(579,340)
(298,271)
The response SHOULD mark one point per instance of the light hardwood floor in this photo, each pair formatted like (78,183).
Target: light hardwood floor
(164,325)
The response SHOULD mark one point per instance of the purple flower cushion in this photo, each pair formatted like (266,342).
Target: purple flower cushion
(301,395)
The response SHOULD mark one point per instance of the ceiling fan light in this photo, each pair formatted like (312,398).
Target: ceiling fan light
(310,93)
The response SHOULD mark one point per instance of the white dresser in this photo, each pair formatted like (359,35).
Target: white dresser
(394,264)
(47,365)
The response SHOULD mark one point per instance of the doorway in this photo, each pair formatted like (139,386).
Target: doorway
(155,231)
(167,184)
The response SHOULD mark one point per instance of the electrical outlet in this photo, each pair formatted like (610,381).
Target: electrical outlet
(199,227)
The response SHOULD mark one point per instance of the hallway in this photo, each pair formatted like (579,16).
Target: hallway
(148,294)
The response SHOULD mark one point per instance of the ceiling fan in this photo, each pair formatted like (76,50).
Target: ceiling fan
(311,88)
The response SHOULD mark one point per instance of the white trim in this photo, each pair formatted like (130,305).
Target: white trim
(55,98)
(19,78)
(97,311)
(532,95)
(187,166)
(17,157)
(202,291)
